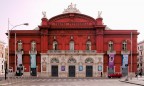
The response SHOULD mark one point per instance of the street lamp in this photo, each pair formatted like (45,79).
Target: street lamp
(131,57)
(15,41)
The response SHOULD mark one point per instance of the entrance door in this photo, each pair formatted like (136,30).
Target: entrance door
(89,71)
(71,71)
(54,71)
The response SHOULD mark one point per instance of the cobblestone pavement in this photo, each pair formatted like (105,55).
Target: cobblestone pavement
(67,82)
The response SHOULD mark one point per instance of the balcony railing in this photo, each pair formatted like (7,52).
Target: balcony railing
(71,51)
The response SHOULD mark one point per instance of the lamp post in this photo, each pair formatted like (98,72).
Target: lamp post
(131,56)
(15,41)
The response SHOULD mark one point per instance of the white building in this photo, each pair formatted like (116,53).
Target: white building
(2,57)
(140,58)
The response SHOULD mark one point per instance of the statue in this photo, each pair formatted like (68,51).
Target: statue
(44,14)
(74,5)
(99,14)
(71,9)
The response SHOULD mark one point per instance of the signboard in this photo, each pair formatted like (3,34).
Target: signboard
(81,68)
(33,60)
(111,60)
(124,61)
(62,68)
(99,68)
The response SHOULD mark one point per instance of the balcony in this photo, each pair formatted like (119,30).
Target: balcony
(125,52)
(71,51)
(111,51)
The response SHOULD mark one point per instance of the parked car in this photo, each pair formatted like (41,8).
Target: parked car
(115,75)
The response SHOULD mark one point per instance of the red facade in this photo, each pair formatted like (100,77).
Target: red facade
(82,28)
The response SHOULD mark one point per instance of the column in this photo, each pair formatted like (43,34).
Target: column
(107,70)
(114,69)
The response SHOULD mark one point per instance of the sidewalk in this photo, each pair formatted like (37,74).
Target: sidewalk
(11,81)
(136,81)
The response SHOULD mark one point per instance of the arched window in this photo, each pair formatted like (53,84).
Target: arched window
(88,45)
(110,45)
(71,45)
(124,45)
(33,45)
(71,60)
(19,45)
(54,60)
(55,45)
(89,60)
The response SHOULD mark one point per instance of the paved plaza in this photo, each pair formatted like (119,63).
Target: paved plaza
(70,82)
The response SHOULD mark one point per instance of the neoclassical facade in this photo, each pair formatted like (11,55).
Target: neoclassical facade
(73,44)
(75,63)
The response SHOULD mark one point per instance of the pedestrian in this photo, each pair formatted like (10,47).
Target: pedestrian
(140,74)
(136,75)
(101,74)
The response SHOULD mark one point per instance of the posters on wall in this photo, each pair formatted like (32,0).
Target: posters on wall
(19,59)
(80,68)
(33,60)
(62,68)
(111,60)
(124,61)
(99,68)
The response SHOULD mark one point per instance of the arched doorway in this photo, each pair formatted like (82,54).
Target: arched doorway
(89,67)
(71,68)
(54,67)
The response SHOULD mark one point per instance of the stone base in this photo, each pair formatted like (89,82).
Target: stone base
(80,75)
(65,74)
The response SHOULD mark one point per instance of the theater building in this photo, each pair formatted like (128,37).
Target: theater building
(73,44)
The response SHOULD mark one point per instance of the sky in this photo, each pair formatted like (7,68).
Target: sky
(116,14)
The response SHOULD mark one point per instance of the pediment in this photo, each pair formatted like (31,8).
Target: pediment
(72,20)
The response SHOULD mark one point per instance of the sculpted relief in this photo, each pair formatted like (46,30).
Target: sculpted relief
(44,64)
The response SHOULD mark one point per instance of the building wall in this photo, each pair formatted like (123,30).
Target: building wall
(140,57)
(97,34)
(2,57)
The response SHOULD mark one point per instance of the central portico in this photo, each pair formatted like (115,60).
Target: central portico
(77,63)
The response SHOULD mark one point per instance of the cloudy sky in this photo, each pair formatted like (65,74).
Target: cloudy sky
(117,14)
